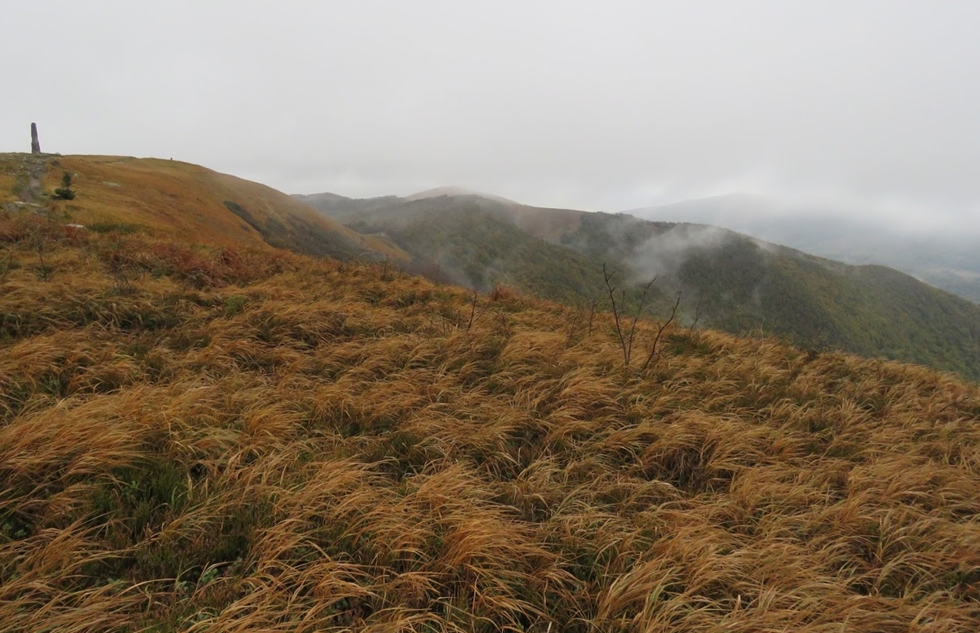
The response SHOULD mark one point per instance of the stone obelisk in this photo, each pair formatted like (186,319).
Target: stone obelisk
(35,143)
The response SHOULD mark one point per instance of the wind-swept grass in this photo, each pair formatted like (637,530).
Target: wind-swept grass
(202,439)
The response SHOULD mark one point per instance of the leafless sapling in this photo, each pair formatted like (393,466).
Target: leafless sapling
(626,338)
(475,310)
(593,305)
(697,313)
(655,348)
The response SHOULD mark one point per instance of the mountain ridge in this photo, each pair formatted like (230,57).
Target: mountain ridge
(946,261)
(733,282)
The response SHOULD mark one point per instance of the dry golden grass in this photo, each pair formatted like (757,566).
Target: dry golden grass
(235,440)
(175,200)
(10,172)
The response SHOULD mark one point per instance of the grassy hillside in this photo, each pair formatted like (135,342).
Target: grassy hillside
(749,286)
(948,261)
(869,310)
(469,243)
(234,439)
(727,281)
(182,201)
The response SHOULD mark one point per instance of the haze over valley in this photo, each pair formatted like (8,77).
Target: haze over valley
(946,256)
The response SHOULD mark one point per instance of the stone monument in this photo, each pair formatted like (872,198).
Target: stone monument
(35,143)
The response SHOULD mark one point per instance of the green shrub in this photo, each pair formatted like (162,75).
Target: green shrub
(64,192)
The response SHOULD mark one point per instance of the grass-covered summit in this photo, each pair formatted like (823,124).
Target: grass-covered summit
(233,438)
(177,201)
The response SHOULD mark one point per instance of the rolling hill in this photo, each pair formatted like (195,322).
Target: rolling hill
(182,201)
(727,280)
(230,437)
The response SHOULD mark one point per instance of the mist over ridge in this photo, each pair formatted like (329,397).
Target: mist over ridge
(726,279)
(947,257)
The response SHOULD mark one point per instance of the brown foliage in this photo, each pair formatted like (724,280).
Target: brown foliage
(242,441)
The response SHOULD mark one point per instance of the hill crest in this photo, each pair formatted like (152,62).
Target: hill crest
(188,202)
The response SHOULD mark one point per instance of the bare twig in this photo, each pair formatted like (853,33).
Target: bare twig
(475,310)
(626,339)
(639,310)
(611,291)
(654,349)
(697,312)
(593,304)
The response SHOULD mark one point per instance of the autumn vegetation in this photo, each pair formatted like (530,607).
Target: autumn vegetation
(734,283)
(231,438)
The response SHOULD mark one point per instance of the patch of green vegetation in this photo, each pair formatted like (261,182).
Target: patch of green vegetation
(297,234)
(243,213)
(121,228)
(474,248)
(20,185)
(65,192)
(235,304)
(142,495)
(869,310)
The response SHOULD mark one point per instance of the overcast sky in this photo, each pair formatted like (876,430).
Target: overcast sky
(868,107)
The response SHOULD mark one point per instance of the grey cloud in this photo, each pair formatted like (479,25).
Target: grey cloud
(868,106)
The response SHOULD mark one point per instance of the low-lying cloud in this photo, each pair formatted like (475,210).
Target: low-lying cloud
(663,254)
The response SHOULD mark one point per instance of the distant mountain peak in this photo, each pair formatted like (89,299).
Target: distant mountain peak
(455,192)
